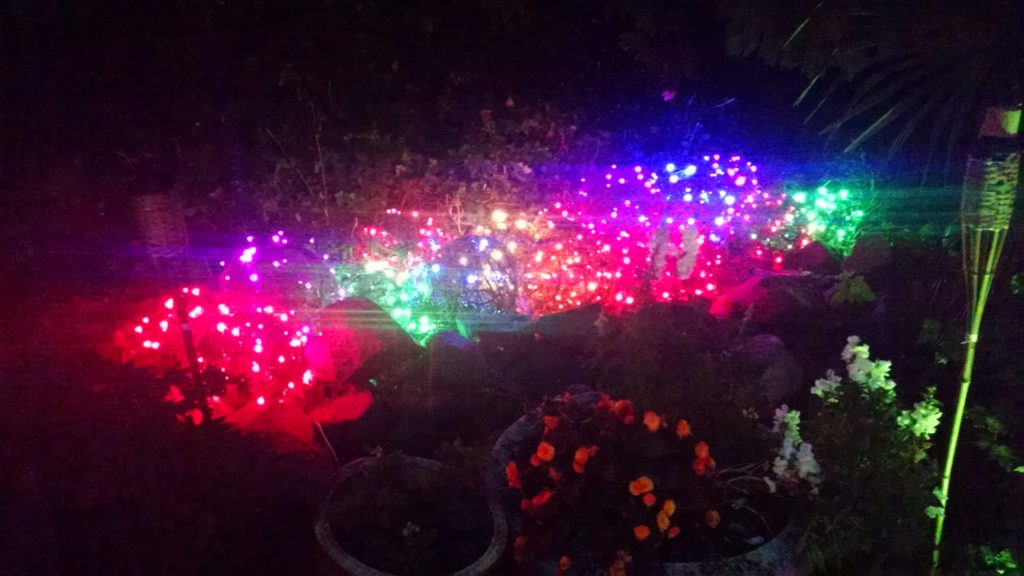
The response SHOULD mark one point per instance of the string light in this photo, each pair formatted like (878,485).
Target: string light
(238,340)
(626,235)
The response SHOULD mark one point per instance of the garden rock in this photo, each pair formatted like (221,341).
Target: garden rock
(573,328)
(780,373)
(813,257)
(870,253)
(354,332)
(455,362)
(788,297)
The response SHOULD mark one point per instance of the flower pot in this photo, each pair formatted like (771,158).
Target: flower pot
(416,469)
(776,557)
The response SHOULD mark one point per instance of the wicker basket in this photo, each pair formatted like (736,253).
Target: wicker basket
(161,224)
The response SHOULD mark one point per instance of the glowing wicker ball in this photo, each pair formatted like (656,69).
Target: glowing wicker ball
(477,273)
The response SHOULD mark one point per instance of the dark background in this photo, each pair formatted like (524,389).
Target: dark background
(104,101)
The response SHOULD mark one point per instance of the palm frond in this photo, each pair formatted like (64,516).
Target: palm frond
(882,122)
(906,103)
(888,70)
(941,120)
(964,111)
(808,88)
(796,33)
(821,102)
(858,107)
(914,121)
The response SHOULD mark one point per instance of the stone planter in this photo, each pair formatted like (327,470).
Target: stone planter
(414,467)
(776,557)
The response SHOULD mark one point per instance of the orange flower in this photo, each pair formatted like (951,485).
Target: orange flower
(641,485)
(663,521)
(545,453)
(519,548)
(554,474)
(712,518)
(564,563)
(669,506)
(703,463)
(701,450)
(618,568)
(624,410)
(583,454)
(641,532)
(604,402)
(702,466)
(512,474)
(652,421)
(550,423)
(649,499)
(673,532)
(682,428)
(542,498)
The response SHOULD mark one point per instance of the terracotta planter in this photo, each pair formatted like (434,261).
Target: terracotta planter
(776,557)
(351,565)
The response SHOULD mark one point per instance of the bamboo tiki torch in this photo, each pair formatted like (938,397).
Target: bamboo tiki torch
(990,183)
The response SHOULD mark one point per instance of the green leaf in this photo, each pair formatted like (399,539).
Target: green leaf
(853,290)
(1017,284)
(934,512)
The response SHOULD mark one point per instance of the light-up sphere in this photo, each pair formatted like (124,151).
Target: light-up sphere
(477,273)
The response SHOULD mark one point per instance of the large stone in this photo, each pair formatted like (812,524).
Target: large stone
(790,299)
(572,327)
(870,253)
(353,332)
(780,373)
(813,257)
(456,363)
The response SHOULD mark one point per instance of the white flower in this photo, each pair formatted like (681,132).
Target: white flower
(859,369)
(851,348)
(788,449)
(806,465)
(780,417)
(780,466)
(825,388)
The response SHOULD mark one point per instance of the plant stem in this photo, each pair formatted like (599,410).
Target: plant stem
(981,285)
(327,442)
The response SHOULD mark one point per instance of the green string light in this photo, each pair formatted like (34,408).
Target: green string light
(832,218)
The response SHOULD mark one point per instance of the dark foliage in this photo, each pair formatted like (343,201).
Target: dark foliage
(915,67)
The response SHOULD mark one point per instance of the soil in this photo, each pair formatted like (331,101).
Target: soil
(403,521)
